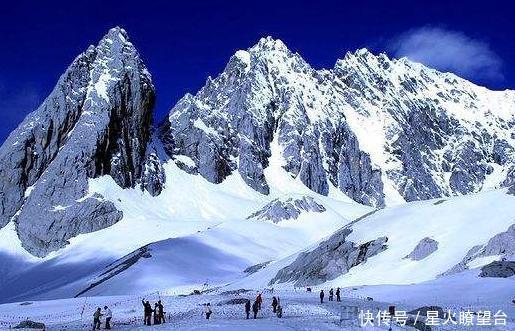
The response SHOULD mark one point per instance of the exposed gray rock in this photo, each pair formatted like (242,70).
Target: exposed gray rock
(356,176)
(332,258)
(96,121)
(153,179)
(235,301)
(424,248)
(462,265)
(231,122)
(417,324)
(28,324)
(255,268)
(235,292)
(118,267)
(498,269)
(422,147)
(278,210)
(502,244)
(368,126)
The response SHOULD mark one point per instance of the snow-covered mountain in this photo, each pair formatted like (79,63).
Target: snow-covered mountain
(97,121)
(380,130)
(271,175)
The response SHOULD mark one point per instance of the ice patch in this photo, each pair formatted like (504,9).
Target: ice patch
(199,124)
(186,160)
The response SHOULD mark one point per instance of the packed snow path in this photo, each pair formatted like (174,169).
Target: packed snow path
(302,311)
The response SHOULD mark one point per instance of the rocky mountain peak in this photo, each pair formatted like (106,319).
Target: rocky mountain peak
(269,44)
(381,130)
(96,121)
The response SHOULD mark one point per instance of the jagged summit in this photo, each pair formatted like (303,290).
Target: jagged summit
(96,121)
(381,130)
(268,43)
(117,33)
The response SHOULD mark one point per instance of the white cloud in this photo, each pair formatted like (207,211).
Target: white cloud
(448,50)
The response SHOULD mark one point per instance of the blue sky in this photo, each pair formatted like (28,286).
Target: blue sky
(182,42)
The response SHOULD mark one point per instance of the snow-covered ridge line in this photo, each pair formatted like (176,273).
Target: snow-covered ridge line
(383,131)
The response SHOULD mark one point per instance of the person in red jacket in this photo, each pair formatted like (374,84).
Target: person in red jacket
(259,301)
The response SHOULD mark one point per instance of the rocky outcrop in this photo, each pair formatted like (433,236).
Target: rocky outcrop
(368,126)
(283,209)
(424,248)
(96,121)
(118,267)
(502,244)
(498,269)
(332,258)
(255,268)
(153,178)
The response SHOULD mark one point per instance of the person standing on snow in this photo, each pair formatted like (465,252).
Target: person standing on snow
(148,312)
(108,314)
(161,313)
(156,314)
(96,319)
(255,309)
(274,305)
(247,308)
(322,296)
(259,301)
(208,311)
(331,294)
(279,308)
(338,295)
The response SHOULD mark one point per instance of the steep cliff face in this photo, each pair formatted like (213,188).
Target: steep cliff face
(381,130)
(97,121)
(270,95)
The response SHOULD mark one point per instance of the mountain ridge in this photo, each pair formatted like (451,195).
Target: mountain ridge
(363,82)
(382,131)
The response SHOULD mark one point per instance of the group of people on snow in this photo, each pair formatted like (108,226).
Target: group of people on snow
(256,306)
(331,295)
(158,315)
(108,315)
(157,312)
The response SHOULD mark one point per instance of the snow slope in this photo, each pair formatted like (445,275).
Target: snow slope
(457,224)
(199,229)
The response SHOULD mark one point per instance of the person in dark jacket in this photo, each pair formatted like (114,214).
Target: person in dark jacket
(96,319)
(255,309)
(322,296)
(148,312)
(161,312)
(338,295)
(279,310)
(247,308)
(274,305)
(331,295)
